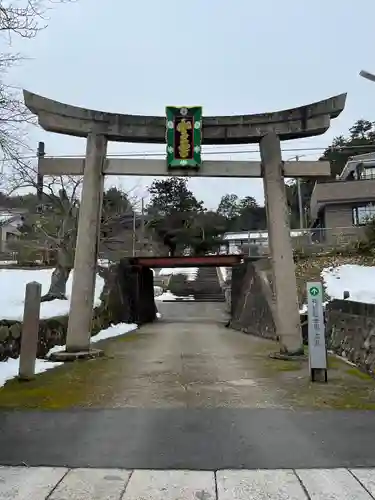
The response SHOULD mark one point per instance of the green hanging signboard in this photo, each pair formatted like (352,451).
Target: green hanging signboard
(184,137)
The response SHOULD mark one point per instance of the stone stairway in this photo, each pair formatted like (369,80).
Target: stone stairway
(207,287)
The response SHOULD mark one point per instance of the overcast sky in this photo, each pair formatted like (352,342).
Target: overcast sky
(231,57)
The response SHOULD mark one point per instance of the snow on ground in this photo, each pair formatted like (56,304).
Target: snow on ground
(358,280)
(303,309)
(189,272)
(14,262)
(9,369)
(224,272)
(169,296)
(104,262)
(12,292)
(158,291)
(109,333)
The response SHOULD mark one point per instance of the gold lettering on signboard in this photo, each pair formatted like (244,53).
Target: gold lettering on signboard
(184,147)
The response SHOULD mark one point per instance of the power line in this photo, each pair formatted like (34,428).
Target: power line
(245,151)
(225,152)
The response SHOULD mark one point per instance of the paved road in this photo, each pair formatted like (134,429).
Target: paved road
(188,393)
(120,484)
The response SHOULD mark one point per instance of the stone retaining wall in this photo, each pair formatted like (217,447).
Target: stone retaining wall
(251,299)
(127,297)
(350,328)
(52,332)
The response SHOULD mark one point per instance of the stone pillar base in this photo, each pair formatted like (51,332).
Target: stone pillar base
(66,356)
(24,378)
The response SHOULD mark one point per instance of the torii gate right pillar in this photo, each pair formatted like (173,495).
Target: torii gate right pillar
(287,319)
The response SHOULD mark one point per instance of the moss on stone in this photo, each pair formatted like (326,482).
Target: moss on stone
(67,386)
(110,381)
(355,372)
(334,362)
(287,366)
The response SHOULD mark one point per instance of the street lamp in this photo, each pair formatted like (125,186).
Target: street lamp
(367,75)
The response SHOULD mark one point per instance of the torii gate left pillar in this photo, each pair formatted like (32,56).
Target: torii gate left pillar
(86,253)
(98,127)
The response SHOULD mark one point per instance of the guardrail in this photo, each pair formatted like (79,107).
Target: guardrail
(314,240)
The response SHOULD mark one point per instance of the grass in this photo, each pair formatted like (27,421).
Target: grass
(289,366)
(76,384)
(111,380)
(359,374)
(347,387)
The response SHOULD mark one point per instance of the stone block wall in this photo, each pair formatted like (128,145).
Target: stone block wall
(251,300)
(350,330)
(119,304)
(52,332)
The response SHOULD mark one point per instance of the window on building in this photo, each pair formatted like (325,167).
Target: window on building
(368,173)
(362,213)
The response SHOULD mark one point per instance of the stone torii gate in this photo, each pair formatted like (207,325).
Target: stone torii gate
(267,129)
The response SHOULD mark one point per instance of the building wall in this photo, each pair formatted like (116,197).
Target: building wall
(5,231)
(361,191)
(338,219)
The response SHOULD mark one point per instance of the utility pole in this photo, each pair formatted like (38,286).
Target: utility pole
(134,228)
(143,221)
(300,206)
(39,189)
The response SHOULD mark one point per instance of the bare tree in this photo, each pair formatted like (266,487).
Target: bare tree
(25,18)
(18,18)
(52,229)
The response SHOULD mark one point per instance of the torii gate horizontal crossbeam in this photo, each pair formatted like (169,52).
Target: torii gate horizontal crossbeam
(295,123)
(154,168)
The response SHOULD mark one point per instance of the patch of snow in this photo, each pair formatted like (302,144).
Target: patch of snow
(108,333)
(224,272)
(9,369)
(189,272)
(358,280)
(12,292)
(114,331)
(169,296)
(303,309)
(158,291)
(104,262)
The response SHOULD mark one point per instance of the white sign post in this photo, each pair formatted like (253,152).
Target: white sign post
(316,332)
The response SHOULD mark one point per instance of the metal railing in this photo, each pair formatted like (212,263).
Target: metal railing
(317,239)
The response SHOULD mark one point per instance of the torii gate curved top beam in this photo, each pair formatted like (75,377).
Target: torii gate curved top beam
(304,121)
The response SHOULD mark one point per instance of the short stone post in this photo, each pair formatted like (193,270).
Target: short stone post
(30,331)
(287,318)
(86,254)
